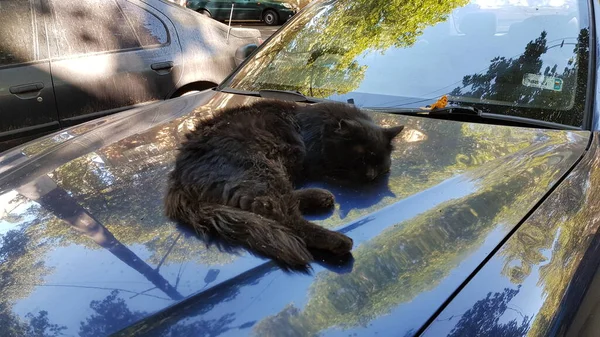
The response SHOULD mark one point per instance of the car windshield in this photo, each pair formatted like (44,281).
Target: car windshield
(525,58)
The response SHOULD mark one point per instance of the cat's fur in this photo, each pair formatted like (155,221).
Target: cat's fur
(234,175)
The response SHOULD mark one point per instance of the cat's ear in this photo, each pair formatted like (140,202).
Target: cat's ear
(346,126)
(392,132)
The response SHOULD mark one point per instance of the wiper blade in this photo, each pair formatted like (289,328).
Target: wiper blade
(449,110)
(467,113)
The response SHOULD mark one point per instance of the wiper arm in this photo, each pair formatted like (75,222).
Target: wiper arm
(467,113)
(284,95)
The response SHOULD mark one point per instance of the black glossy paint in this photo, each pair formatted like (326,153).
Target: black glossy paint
(536,281)
(82,225)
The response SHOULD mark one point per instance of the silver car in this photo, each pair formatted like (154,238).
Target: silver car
(63,62)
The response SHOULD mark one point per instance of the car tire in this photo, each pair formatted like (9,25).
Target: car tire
(205,13)
(270,17)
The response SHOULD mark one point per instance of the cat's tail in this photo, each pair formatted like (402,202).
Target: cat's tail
(238,227)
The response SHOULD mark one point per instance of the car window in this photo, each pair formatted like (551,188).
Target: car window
(149,29)
(17,39)
(91,26)
(518,58)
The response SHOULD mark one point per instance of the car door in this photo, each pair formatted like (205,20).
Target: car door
(222,9)
(246,10)
(27,105)
(110,55)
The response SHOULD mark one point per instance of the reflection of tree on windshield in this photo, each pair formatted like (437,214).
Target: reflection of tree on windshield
(318,53)
(503,82)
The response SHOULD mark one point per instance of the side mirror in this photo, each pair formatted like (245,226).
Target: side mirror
(243,52)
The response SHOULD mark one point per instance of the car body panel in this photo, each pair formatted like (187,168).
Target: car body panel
(88,83)
(197,57)
(85,206)
(27,104)
(32,110)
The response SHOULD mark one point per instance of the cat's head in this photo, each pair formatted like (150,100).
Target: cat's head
(357,149)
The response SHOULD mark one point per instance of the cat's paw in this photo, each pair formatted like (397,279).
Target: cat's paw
(262,206)
(251,203)
(314,200)
(330,241)
(340,244)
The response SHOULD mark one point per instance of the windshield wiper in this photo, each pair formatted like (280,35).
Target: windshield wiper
(467,113)
(449,110)
(284,95)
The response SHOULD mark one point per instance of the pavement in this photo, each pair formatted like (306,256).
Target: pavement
(265,31)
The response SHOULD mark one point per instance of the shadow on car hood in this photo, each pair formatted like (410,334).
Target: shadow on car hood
(85,248)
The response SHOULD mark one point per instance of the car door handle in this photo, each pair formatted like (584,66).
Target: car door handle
(162,65)
(25,88)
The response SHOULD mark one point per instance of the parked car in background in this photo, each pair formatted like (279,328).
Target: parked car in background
(66,61)
(271,12)
(487,224)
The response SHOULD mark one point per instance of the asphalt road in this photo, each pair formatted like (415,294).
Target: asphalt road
(265,31)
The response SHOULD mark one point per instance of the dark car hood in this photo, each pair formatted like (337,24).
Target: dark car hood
(85,248)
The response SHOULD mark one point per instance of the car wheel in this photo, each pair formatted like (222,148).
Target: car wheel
(205,13)
(270,17)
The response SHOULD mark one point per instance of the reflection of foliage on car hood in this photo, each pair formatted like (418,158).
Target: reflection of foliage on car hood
(415,170)
(572,226)
(415,255)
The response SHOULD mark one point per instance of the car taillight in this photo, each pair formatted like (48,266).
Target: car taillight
(260,41)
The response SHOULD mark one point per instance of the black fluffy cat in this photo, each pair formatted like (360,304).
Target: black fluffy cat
(234,175)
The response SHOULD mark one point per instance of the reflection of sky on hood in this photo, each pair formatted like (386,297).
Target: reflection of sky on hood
(7,208)
(91,274)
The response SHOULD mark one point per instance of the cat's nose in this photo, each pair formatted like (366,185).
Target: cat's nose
(371,173)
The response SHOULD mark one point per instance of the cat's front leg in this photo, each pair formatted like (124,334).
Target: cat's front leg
(317,237)
(314,200)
